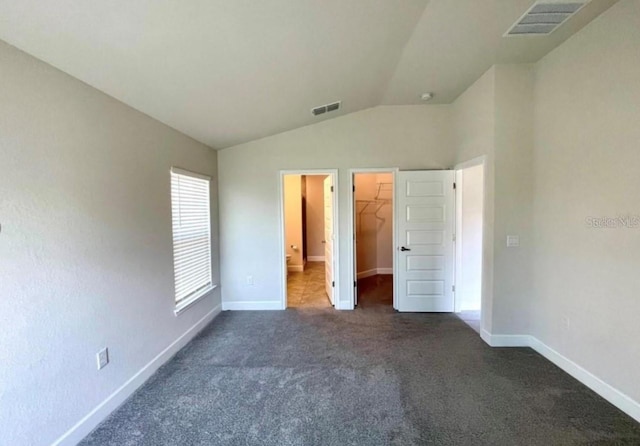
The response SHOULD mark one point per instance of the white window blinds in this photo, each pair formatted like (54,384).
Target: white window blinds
(191,234)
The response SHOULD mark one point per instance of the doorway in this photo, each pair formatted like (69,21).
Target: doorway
(469,242)
(308,234)
(373,242)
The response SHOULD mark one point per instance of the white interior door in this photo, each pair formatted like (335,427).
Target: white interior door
(426,217)
(328,237)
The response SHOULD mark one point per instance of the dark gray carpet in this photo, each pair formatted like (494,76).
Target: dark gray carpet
(367,377)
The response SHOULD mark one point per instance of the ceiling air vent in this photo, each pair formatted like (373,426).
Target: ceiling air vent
(326,108)
(544,17)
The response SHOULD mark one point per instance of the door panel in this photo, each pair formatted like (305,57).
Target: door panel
(432,264)
(425,238)
(425,287)
(425,231)
(328,237)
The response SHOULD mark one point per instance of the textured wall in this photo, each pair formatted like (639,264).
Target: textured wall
(85,248)
(494,119)
(586,286)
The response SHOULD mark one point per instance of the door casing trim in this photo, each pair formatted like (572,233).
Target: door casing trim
(458,168)
(350,304)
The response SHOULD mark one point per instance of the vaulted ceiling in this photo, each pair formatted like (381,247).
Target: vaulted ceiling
(229,71)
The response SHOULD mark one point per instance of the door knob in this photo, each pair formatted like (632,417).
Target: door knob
(324,241)
(404,249)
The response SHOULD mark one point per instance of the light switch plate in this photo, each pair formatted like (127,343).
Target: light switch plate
(513,241)
(102,358)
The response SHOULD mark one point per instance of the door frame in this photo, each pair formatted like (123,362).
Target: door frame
(478,161)
(351,234)
(333,173)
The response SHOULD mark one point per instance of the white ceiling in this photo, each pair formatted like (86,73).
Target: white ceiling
(456,41)
(229,71)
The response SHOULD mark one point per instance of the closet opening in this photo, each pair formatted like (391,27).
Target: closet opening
(373,244)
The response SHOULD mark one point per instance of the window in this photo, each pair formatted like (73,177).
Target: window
(191,236)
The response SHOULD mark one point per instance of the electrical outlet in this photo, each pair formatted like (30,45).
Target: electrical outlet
(103,358)
(250,280)
(513,241)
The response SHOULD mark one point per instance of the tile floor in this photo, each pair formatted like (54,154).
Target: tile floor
(306,289)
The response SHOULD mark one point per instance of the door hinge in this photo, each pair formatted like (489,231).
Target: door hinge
(355,283)
(331,188)
(354,187)
(333,284)
(453,288)
(453,237)
(454,185)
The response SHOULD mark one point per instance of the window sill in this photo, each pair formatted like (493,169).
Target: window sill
(193,299)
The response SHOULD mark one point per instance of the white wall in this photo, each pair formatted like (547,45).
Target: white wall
(82,168)
(315,215)
(85,248)
(559,140)
(474,136)
(493,118)
(469,289)
(556,155)
(385,249)
(586,163)
(410,137)
(512,198)
(366,225)
(293,220)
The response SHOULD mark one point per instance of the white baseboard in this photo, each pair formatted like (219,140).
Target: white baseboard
(606,391)
(295,268)
(252,305)
(367,273)
(374,272)
(485,336)
(505,340)
(343,305)
(315,258)
(90,421)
